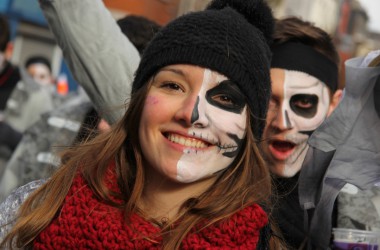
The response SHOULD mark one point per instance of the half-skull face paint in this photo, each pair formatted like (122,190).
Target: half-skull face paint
(301,103)
(209,113)
(226,124)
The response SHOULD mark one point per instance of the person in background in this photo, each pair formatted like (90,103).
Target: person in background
(304,74)
(182,168)
(39,69)
(22,101)
(38,152)
(37,155)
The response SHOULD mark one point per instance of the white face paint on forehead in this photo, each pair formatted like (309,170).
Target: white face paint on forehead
(306,101)
(219,118)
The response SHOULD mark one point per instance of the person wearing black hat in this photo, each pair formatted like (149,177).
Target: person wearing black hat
(182,169)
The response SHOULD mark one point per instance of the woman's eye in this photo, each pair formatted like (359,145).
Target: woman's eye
(227,96)
(224,100)
(171,86)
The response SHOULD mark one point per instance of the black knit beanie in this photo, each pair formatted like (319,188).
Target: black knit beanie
(230,37)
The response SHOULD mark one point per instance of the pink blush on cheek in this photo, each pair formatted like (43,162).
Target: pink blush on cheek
(151,100)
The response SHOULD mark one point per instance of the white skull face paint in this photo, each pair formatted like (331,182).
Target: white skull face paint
(219,117)
(306,101)
(302,103)
(305,107)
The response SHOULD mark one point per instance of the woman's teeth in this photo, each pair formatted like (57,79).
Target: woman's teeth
(188,142)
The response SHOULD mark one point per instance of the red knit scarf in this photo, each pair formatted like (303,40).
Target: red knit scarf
(86,223)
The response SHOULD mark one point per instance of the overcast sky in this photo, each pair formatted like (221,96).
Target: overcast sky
(373,8)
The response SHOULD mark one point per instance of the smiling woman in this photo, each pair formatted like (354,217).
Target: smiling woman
(210,130)
(182,168)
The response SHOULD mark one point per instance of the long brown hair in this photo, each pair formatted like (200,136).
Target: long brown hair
(245,182)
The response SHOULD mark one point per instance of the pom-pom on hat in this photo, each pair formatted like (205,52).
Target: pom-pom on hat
(231,37)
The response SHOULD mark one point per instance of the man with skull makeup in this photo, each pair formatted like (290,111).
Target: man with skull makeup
(304,74)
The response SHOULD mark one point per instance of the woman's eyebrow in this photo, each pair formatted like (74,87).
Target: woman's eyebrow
(174,70)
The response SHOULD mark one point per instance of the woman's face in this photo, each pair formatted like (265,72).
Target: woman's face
(193,123)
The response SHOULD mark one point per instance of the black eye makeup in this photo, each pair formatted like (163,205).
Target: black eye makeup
(305,105)
(227,96)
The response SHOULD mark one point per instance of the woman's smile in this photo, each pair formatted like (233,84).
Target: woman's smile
(187,141)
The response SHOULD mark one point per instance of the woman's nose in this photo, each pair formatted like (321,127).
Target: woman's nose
(192,113)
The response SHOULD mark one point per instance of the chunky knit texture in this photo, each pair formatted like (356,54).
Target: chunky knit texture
(86,223)
(230,37)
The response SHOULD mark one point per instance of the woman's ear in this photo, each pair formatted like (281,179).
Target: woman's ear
(335,99)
